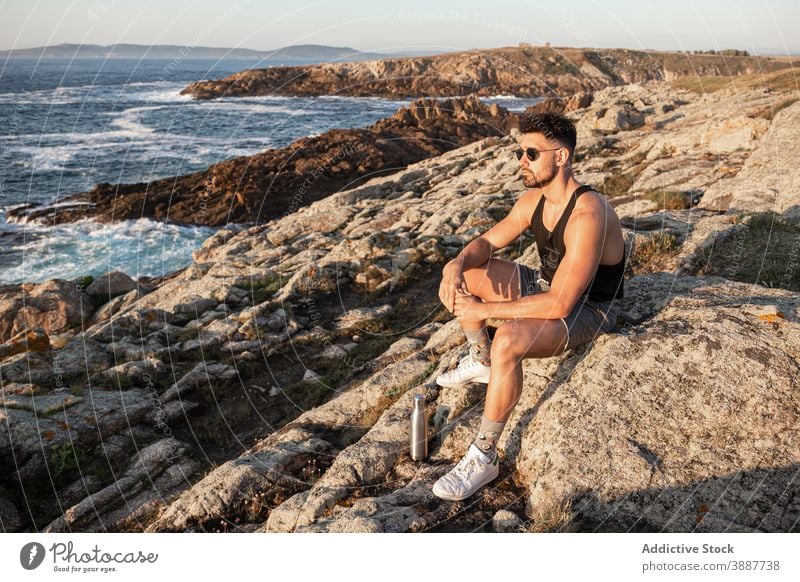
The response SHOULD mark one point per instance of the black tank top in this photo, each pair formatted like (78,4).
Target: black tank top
(607,283)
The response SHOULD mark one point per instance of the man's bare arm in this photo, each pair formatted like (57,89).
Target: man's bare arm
(480,250)
(583,238)
(502,234)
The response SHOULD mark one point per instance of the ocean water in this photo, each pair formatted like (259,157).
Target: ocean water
(67,125)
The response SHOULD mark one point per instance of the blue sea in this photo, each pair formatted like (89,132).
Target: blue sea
(66,125)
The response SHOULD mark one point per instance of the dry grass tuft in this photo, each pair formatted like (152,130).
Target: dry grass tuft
(617,184)
(671,199)
(655,254)
(551,517)
(766,253)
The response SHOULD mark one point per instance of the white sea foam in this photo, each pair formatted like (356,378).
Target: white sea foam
(166,95)
(134,142)
(153,91)
(129,121)
(270,98)
(511,102)
(22,222)
(138,247)
(43,163)
(35,98)
(357,99)
(251,108)
(146,126)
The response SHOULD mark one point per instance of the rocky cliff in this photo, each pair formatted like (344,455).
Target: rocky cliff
(268,386)
(524,71)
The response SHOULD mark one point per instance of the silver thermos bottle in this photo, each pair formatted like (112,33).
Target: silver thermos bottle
(419,429)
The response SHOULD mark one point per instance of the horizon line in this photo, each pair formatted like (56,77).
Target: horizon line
(751,51)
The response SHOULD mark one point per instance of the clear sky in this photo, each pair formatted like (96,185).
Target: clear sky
(374,25)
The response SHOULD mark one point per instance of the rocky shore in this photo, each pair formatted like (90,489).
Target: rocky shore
(255,189)
(524,71)
(268,386)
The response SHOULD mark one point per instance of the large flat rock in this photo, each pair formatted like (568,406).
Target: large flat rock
(770,178)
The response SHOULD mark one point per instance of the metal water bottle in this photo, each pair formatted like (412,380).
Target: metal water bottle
(419,429)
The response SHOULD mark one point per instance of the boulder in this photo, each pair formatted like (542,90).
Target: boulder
(505,521)
(650,444)
(29,340)
(156,471)
(211,374)
(354,318)
(770,178)
(54,306)
(10,520)
(110,285)
(619,117)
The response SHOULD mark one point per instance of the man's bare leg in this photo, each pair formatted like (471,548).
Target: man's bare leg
(496,281)
(514,341)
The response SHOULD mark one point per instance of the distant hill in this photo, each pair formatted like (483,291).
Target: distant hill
(298,53)
(524,71)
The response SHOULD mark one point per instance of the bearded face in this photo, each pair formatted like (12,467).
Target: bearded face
(540,175)
(540,172)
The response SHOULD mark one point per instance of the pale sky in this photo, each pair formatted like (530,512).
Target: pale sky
(755,25)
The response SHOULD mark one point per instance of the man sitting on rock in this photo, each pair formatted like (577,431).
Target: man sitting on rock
(565,303)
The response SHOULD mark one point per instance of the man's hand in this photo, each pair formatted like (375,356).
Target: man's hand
(452,280)
(468,307)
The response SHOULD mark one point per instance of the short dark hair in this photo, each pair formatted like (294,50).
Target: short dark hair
(552,126)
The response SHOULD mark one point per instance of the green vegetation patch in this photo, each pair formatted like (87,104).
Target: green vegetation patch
(66,458)
(263,288)
(84,282)
(559,65)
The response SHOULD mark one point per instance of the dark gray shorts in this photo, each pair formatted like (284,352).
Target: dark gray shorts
(588,318)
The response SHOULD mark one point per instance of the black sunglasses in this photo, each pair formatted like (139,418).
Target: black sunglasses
(532,153)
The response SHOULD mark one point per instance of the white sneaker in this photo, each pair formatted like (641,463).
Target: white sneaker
(472,472)
(469,370)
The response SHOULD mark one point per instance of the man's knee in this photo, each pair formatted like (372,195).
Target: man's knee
(506,343)
(473,278)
